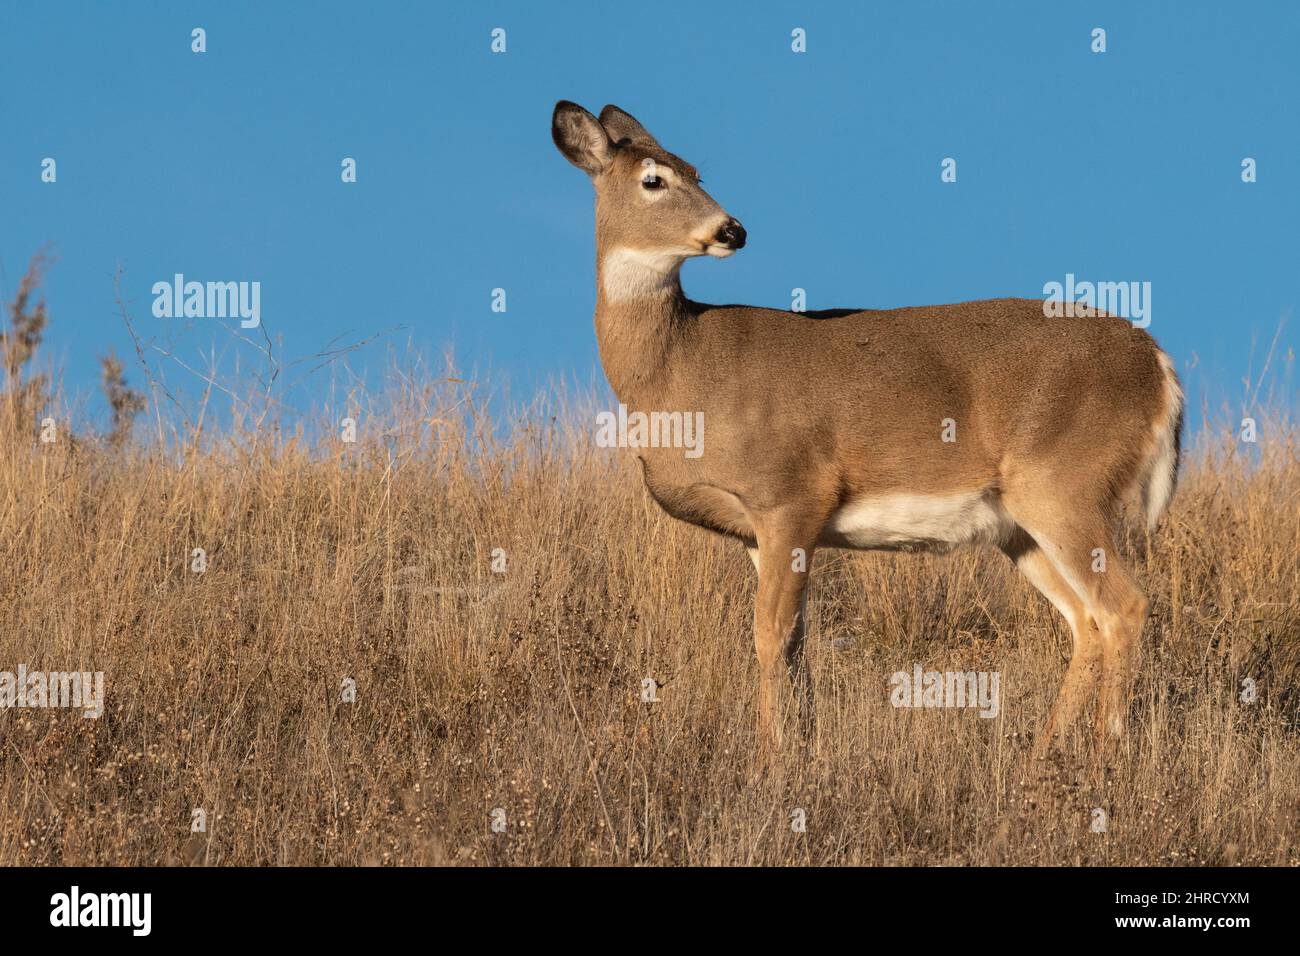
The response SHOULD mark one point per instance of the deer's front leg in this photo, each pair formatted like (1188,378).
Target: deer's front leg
(783,560)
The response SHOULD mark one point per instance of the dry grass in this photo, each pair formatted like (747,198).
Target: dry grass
(521,690)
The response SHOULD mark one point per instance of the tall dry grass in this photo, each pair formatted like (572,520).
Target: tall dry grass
(478,690)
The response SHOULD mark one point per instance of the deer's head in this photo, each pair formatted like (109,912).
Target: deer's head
(649,203)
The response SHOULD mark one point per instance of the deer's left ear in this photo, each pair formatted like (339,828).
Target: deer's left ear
(623,126)
(581,138)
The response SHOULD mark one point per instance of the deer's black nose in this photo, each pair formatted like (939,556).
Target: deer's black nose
(732,234)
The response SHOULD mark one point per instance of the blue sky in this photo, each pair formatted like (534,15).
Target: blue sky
(1119,166)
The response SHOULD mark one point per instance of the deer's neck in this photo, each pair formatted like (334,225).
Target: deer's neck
(641,314)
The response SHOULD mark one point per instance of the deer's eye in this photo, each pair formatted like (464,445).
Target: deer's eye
(652,182)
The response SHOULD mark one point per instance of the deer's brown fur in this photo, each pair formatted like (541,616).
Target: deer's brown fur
(827,429)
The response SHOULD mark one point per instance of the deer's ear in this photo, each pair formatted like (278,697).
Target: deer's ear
(581,138)
(623,126)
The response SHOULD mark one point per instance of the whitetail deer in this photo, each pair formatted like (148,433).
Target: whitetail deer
(827,429)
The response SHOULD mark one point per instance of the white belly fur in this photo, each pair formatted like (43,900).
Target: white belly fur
(925,522)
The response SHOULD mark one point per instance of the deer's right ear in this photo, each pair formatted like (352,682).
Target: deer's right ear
(581,138)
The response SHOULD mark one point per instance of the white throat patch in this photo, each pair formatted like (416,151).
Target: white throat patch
(638,274)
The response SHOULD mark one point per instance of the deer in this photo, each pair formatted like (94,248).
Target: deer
(923,428)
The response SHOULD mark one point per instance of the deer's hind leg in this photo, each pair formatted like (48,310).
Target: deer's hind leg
(1079,543)
(1085,669)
